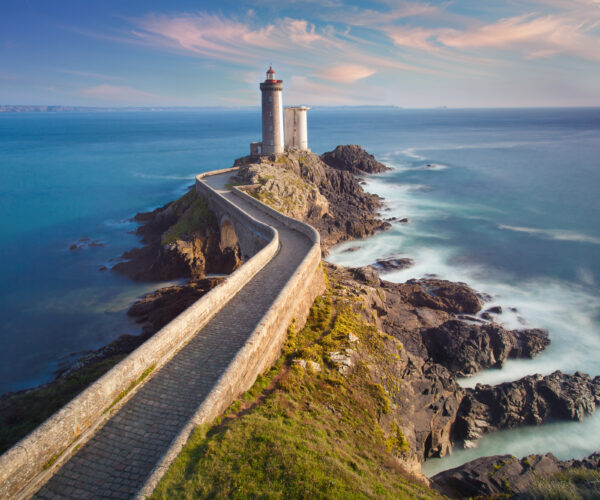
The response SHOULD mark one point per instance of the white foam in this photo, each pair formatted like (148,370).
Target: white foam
(564,439)
(570,311)
(553,234)
(411,153)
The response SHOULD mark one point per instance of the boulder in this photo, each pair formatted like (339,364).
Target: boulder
(506,476)
(353,159)
(466,348)
(531,400)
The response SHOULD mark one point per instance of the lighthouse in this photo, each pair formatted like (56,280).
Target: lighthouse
(272,114)
(296,136)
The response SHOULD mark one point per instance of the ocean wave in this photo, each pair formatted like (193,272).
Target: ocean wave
(554,234)
(410,152)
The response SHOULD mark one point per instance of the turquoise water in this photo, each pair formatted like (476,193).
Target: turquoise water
(509,205)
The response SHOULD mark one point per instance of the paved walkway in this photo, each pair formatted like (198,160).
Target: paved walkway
(116,461)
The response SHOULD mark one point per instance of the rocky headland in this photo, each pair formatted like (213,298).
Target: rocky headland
(400,354)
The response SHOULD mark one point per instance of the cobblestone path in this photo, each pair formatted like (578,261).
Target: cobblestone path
(115,462)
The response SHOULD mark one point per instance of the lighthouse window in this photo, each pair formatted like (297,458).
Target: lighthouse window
(270,98)
(270,128)
(270,113)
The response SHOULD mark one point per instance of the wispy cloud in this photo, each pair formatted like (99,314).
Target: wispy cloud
(529,35)
(346,73)
(227,39)
(370,17)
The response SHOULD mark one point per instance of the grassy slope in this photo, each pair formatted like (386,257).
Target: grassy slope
(301,434)
(572,484)
(193,216)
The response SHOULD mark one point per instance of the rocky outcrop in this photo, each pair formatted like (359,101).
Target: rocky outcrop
(301,185)
(181,240)
(506,476)
(531,400)
(353,159)
(466,348)
(154,310)
(427,398)
(393,264)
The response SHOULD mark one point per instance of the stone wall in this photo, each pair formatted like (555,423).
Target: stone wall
(29,463)
(264,345)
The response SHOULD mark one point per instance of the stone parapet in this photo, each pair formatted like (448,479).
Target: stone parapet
(33,460)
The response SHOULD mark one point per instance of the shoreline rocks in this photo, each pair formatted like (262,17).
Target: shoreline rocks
(531,400)
(353,159)
(466,348)
(507,476)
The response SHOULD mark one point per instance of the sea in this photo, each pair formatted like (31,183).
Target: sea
(506,200)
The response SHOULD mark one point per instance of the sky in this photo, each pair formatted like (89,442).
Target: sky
(408,53)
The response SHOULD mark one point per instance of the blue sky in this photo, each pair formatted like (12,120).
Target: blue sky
(472,53)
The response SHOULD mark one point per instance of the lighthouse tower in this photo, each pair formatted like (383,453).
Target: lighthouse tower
(272,114)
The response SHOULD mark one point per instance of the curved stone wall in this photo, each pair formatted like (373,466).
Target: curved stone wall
(33,459)
(264,345)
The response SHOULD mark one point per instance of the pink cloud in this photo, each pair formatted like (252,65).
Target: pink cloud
(227,39)
(532,36)
(347,73)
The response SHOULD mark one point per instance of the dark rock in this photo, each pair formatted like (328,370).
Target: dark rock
(102,269)
(451,297)
(531,400)
(497,475)
(354,159)
(191,255)
(404,220)
(506,476)
(487,316)
(467,348)
(494,310)
(393,263)
(156,309)
(367,275)
(351,249)
(85,242)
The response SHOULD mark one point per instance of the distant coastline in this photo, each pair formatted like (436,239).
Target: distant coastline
(43,108)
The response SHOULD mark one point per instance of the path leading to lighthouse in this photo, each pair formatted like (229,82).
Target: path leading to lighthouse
(116,461)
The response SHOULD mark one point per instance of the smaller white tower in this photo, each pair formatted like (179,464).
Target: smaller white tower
(296,130)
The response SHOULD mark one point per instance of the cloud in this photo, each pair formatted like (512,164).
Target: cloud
(371,17)
(305,90)
(122,94)
(227,39)
(531,35)
(347,73)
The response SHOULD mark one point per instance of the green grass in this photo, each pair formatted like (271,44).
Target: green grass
(572,484)
(22,412)
(194,218)
(299,434)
